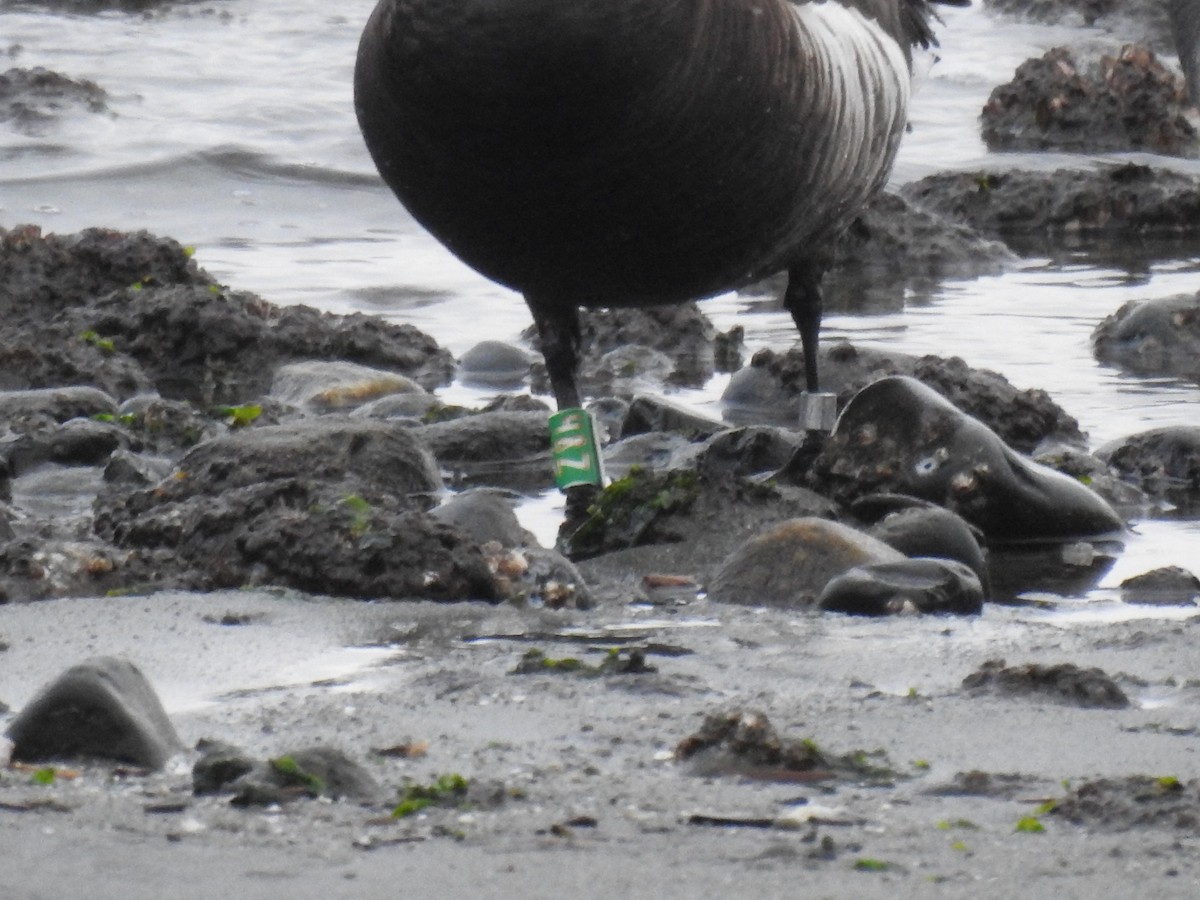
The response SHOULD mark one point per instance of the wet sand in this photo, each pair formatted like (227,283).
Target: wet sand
(589,799)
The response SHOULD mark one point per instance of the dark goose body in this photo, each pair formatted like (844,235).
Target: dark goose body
(636,152)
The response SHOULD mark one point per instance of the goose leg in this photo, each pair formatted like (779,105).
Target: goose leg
(558,327)
(803,300)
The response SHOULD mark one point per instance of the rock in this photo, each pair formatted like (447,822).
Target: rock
(1136,802)
(79,442)
(1064,682)
(137,316)
(633,510)
(329,385)
(371,458)
(329,505)
(310,772)
(790,564)
(170,426)
(1024,419)
(922,585)
(918,528)
(219,765)
(31,99)
(899,436)
(484,514)
(500,449)
(537,577)
(494,363)
(1126,103)
(651,450)
(57,404)
(678,521)
(1153,337)
(1168,586)
(894,237)
(1027,209)
(1163,462)
(744,742)
(43,273)
(1127,499)
(103,708)
(650,413)
(1139,19)
(742,452)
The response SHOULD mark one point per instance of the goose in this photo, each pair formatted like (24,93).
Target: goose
(638,152)
(1185,27)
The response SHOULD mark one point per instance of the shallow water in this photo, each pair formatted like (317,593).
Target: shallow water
(232,129)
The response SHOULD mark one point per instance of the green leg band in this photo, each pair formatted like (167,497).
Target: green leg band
(573,446)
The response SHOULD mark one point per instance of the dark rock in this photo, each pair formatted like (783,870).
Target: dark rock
(79,442)
(899,436)
(679,521)
(743,452)
(484,514)
(133,314)
(209,345)
(1136,802)
(1127,499)
(494,363)
(919,528)
(373,459)
(1163,462)
(219,765)
(326,505)
(31,99)
(57,404)
(1064,682)
(170,426)
(1124,103)
(43,273)
(517,403)
(537,577)
(790,564)
(103,708)
(502,449)
(922,585)
(1153,337)
(1168,586)
(649,413)
(633,510)
(744,742)
(651,450)
(1024,419)
(1066,206)
(1140,19)
(893,237)
(311,772)
(608,418)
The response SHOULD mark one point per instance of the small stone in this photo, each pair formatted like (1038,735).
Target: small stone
(494,363)
(325,385)
(790,564)
(1168,586)
(921,585)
